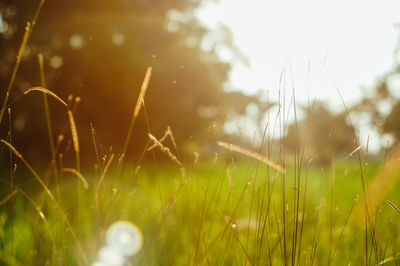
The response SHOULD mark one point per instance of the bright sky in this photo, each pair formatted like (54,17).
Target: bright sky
(355,39)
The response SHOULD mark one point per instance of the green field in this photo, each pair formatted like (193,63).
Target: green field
(223,212)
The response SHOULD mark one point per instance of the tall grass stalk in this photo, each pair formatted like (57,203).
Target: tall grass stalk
(50,195)
(12,171)
(342,231)
(75,139)
(331,175)
(28,31)
(46,108)
(281,112)
(95,147)
(48,122)
(369,222)
(296,175)
(135,114)
(45,93)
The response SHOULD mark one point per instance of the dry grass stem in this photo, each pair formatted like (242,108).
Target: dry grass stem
(78,174)
(28,30)
(8,197)
(351,153)
(172,137)
(391,205)
(168,132)
(74,132)
(252,154)
(164,149)
(142,93)
(75,140)
(136,111)
(103,174)
(46,91)
(160,140)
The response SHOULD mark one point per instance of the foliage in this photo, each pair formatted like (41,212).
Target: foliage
(99,50)
(322,133)
(383,103)
(392,122)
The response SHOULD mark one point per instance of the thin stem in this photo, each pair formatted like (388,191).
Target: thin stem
(28,30)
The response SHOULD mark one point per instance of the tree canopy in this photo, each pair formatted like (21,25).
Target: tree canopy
(99,50)
(322,134)
(383,102)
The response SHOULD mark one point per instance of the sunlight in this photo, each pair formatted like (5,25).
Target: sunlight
(337,33)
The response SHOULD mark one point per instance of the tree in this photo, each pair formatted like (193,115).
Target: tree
(99,50)
(320,133)
(383,103)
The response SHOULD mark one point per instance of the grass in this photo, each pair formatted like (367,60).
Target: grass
(241,206)
(204,219)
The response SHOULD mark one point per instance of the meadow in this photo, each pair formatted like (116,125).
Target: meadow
(225,205)
(220,211)
(234,207)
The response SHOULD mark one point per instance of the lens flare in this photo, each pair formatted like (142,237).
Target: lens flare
(123,240)
(126,236)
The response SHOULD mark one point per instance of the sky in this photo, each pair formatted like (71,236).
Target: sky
(348,41)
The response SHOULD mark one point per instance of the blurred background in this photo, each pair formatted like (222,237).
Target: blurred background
(221,70)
